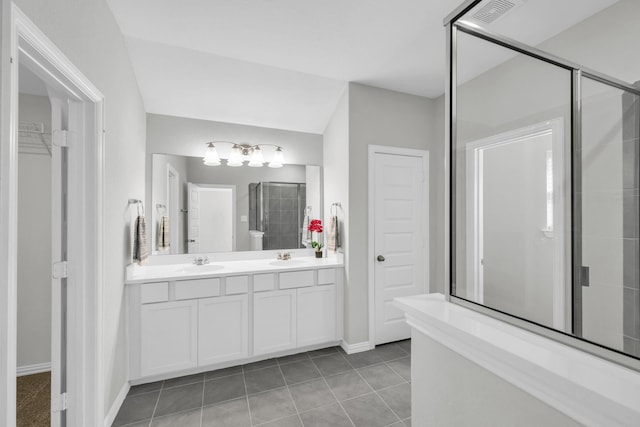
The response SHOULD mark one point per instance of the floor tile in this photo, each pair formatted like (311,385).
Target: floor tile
(234,413)
(407,422)
(136,408)
(298,372)
(259,365)
(380,376)
(179,399)
(332,364)
(405,345)
(399,399)
(263,380)
(271,405)
(222,389)
(183,419)
(219,373)
(293,358)
(369,411)
(145,388)
(347,385)
(401,367)
(365,358)
(322,352)
(326,416)
(292,421)
(390,352)
(189,379)
(311,394)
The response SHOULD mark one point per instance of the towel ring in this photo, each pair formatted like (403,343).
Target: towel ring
(335,205)
(138,204)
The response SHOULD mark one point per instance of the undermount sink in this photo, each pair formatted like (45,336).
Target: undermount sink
(285,262)
(206,268)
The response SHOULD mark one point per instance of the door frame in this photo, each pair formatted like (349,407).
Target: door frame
(172,208)
(399,151)
(474,238)
(21,38)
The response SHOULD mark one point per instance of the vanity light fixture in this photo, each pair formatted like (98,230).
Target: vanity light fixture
(211,157)
(243,152)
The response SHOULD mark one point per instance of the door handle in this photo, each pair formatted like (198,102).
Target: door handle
(191,241)
(380,258)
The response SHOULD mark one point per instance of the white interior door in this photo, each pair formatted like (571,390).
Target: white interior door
(193,227)
(400,218)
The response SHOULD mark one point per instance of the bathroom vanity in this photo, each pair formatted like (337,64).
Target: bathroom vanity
(185,318)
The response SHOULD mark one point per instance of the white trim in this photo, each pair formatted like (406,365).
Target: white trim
(172,210)
(591,390)
(22,39)
(357,347)
(38,368)
(400,151)
(474,242)
(111,415)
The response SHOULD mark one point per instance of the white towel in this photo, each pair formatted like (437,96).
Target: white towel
(163,234)
(140,251)
(306,234)
(333,242)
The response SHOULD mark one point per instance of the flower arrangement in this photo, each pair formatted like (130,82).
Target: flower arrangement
(316,226)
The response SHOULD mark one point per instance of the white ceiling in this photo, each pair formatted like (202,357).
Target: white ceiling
(284,63)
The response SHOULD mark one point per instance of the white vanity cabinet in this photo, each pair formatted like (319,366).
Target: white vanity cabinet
(189,325)
(168,337)
(274,321)
(223,329)
(316,315)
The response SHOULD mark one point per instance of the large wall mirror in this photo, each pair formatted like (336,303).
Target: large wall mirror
(204,209)
(545,211)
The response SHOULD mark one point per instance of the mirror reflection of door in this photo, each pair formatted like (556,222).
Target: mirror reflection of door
(211,218)
(515,251)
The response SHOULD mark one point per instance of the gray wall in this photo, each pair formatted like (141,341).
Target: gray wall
(372,116)
(450,390)
(86,32)
(241,177)
(34,241)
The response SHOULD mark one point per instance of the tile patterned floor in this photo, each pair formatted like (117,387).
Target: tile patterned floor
(319,388)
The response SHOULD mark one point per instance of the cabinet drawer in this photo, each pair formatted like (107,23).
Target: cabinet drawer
(154,292)
(237,285)
(264,282)
(326,276)
(296,279)
(198,288)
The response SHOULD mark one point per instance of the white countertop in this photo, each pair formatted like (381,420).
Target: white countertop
(163,272)
(589,389)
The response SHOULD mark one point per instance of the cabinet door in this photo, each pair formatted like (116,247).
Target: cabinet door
(316,308)
(169,333)
(274,321)
(223,332)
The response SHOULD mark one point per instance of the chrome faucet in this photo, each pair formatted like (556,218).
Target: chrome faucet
(284,256)
(201,260)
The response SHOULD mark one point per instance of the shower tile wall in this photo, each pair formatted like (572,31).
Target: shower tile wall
(281,215)
(631,219)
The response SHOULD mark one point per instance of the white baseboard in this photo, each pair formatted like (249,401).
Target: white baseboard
(113,411)
(357,347)
(33,369)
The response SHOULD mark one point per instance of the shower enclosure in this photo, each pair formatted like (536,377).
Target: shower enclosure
(544,173)
(277,209)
